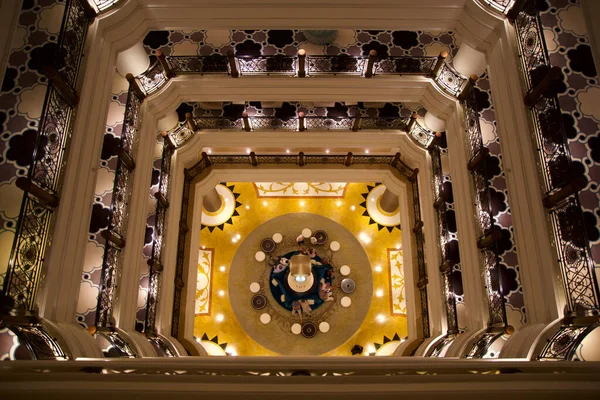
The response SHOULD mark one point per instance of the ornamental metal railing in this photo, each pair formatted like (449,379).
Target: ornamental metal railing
(300,160)
(564,344)
(155,262)
(422,136)
(446,267)
(501,6)
(103,5)
(561,184)
(488,231)
(119,210)
(435,68)
(43,182)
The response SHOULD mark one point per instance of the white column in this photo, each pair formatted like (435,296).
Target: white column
(539,271)
(470,259)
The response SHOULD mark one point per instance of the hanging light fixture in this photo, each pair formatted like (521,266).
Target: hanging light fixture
(300,267)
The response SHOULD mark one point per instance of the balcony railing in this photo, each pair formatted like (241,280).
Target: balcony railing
(301,66)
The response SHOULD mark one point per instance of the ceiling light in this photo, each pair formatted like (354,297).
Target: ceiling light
(339,203)
(234,239)
(380,318)
(221,293)
(222,268)
(209,151)
(231,351)
(367,151)
(247,207)
(379,293)
(353,208)
(264,203)
(238,236)
(378,268)
(327,151)
(248,151)
(220,318)
(364,237)
(302,203)
(287,151)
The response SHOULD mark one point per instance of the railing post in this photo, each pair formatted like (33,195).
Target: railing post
(301,122)
(468,86)
(348,161)
(413,120)
(440,60)
(135,87)
(253,159)
(27,185)
(533,96)
(232,64)
(246,120)
(207,158)
(61,86)
(165,65)
(301,159)
(190,122)
(356,124)
(371,63)
(168,139)
(554,199)
(513,13)
(301,63)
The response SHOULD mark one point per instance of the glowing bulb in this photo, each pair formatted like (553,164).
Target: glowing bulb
(248,151)
(238,236)
(209,151)
(370,350)
(302,204)
(327,151)
(231,351)
(247,207)
(372,198)
(398,246)
(220,317)
(379,293)
(234,240)
(380,318)
(367,151)
(203,247)
(364,237)
(378,268)
(221,293)
(265,203)
(339,203)
(353,208)
(222,268)
(287,151)
(226,199)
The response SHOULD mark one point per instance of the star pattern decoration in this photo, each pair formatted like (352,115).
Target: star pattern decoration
(366,212)
(235,212)
(215,340)
(385,340)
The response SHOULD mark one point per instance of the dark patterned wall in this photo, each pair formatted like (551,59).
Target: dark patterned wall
(21,101)
(568,47)
(270,42)
(509,263)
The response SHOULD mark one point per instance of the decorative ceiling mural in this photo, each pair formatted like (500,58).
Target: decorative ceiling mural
(300,189)
(228,281)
